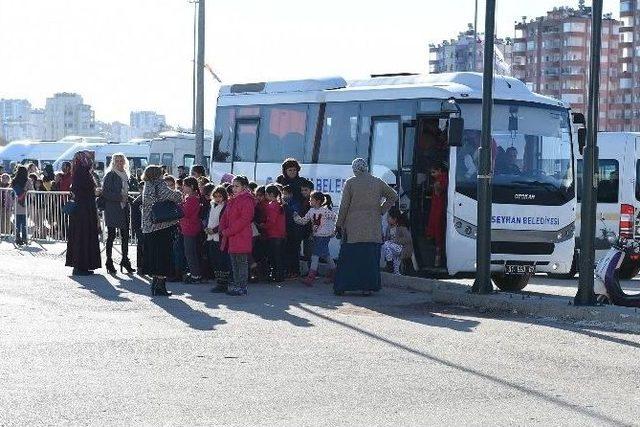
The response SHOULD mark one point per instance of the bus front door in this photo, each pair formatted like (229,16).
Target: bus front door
(424,148)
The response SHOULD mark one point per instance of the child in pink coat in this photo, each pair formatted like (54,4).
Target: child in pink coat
(237,235)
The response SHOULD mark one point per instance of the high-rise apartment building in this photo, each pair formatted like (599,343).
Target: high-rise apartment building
(147,123)
(37,124)
(551,55)
(457,55)
(629,94)
(14,119)
(66,114)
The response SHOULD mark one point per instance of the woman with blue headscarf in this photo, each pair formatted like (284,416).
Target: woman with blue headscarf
(365,199)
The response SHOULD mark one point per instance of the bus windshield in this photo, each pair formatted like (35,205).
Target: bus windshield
(531,155)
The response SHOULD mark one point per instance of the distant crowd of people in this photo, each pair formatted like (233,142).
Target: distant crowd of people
(232,232)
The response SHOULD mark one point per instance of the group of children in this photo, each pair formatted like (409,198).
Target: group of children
(239,232)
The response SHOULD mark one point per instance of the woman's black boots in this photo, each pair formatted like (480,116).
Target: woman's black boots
(109,266)
(125,264)
(159,287)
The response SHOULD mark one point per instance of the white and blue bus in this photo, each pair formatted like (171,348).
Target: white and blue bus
(399,123)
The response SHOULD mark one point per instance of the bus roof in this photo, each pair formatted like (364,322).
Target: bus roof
(465,85)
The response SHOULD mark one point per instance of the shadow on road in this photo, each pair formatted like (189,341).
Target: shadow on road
(99,285)
(196,319)
(602,418)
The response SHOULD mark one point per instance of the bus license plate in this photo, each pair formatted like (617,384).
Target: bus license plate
(519,269)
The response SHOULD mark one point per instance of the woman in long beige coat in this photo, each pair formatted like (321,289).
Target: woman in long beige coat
(365,199)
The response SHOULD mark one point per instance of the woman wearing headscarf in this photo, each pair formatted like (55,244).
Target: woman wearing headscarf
(83,250)
(365,199)
(115,192)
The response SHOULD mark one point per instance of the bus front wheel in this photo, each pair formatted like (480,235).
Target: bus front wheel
(511,282)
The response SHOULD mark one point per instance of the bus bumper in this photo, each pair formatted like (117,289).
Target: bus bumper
(463,256)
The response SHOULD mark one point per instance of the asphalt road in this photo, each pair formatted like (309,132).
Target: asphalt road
(101,351)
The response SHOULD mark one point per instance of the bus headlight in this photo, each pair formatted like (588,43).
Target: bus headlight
(565,233)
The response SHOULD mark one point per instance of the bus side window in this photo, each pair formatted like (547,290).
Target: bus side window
(154,158)
(223,134)
(339,144)
(385,142)
(608,180)
(167,160)
(282,133)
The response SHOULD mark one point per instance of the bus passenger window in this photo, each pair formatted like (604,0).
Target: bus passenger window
(385,143)
(282,133)
(223,134)
(247,136)
(154,158)
(339,144)
(167,160)
(608,180)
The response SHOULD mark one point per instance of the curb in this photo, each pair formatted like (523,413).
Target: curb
(551,306)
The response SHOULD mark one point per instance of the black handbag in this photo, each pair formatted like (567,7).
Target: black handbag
(165,211)
(70,207)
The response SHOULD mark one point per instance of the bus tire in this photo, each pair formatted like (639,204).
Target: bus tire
(629,269)
(570,275)
(511,282)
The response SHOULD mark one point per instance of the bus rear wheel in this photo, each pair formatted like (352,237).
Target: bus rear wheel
(511,282)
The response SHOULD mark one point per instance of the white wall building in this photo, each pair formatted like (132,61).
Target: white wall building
(66,114)
(146,123)
(14,119)
(37,128)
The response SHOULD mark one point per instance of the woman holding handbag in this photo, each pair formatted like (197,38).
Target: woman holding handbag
(160,215)
(115,192)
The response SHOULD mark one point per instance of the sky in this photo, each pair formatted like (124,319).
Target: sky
(124,55)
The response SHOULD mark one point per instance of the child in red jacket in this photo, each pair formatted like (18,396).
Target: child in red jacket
(237,235)
(191,226)
(274,230)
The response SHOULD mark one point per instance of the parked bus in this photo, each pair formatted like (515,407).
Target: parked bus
(398,123)
(173,149)
(137,154)
(618,203)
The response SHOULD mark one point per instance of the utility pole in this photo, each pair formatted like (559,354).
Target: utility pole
(482,284)
(475,39)
(585,294)
(195,54)
(199,153)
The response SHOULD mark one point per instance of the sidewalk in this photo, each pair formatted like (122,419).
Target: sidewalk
(553,302)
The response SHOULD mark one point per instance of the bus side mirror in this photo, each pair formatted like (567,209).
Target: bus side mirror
(578,119)
(582,139)
(456,129)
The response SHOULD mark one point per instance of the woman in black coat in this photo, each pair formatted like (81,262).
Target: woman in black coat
(115,192)
(83,250)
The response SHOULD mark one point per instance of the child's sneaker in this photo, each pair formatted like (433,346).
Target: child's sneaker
(310,278)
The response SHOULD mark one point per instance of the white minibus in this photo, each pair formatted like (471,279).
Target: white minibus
(618,208)
(137,154)
(399,124)
(173,149)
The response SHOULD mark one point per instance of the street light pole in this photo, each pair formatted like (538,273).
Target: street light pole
(585,294)
(199,152)
(482,284)
(195,54)
(475,39)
